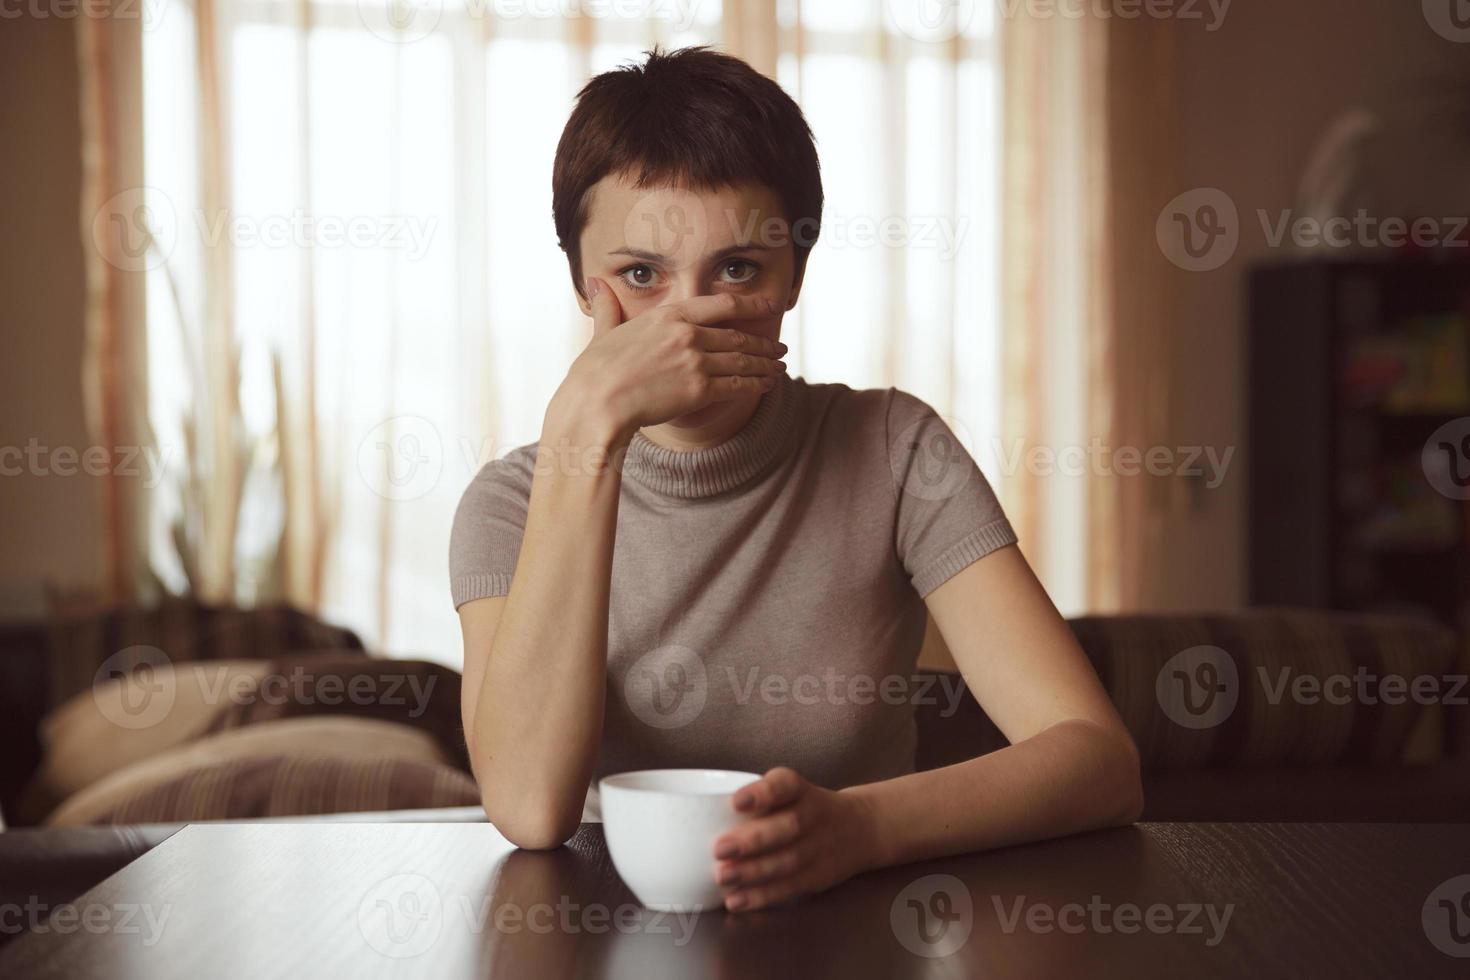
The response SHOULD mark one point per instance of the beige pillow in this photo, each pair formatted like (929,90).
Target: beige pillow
(116,723)
(334,737)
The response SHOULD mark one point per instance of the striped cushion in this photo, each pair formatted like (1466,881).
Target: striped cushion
(183,630)
(1140,657)
(416,693)
(292,785)
(1270,651)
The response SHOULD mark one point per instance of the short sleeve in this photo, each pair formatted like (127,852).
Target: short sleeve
(485,541)
(947,515)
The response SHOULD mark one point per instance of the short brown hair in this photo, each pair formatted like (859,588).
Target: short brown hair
(692,118)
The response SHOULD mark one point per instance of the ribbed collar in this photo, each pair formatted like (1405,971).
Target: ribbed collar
(705,472)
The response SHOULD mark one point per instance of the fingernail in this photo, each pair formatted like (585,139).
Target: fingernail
(782,366)
(735,902)
(781,348)
(594,286)
(727,850)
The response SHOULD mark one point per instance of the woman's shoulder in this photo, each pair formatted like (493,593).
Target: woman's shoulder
(884,410)
(514,465)
(504,479)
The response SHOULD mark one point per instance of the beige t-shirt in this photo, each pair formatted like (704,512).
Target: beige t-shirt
(767,593)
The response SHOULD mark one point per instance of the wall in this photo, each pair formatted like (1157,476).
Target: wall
(49,524)
(1257,93)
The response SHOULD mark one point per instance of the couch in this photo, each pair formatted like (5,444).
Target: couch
(1276,751)
(1287,749)
(1324,722)
(225,714)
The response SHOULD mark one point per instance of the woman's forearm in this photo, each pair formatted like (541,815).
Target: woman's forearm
(1071,777)
(539,716)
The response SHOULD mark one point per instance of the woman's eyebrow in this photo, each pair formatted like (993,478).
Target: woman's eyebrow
(740,247)
(647,256)
(638,253)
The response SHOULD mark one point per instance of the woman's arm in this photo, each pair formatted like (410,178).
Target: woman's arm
(1072,765)
(536,659)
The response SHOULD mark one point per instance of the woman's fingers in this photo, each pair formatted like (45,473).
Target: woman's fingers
(778,787)
(776,864)
(717,339)
(759,836)
(736,363)
(607,312)
(784,850)
(742,365)
(724,306)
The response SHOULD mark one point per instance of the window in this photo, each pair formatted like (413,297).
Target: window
(355,297)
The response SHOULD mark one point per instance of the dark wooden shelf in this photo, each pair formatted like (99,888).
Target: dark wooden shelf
(1321,460)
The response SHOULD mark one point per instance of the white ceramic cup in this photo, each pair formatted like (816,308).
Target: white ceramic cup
(661,826)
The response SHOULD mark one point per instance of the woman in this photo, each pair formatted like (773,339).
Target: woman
(707,563)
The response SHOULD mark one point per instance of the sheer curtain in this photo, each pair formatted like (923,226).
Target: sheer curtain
(1087,297)
(323,230)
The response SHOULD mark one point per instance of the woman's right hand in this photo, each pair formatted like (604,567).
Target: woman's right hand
(670,360)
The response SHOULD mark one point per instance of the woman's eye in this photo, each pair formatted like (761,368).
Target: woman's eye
(638,276)
(739,271)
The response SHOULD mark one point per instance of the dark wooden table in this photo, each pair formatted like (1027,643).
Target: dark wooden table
(448,900)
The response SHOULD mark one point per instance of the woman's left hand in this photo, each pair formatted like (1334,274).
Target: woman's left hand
(800,839)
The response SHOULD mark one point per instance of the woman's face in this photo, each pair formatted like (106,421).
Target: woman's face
(656,246)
